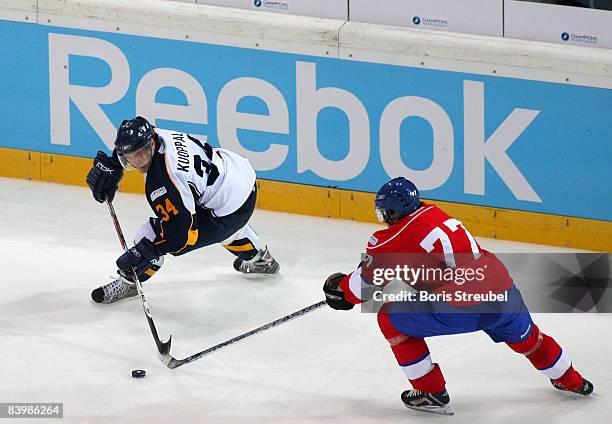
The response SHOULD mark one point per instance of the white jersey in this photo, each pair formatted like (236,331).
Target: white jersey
(214,178)
(188,177)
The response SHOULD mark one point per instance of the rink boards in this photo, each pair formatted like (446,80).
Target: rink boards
(344,204)
(512,137)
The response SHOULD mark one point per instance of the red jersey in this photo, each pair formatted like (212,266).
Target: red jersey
(431,251)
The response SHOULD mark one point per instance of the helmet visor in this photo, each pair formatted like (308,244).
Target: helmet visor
(379,214)
(138,159)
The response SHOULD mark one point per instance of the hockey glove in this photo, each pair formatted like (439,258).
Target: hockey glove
(333,293)
(138,257)
(104,176)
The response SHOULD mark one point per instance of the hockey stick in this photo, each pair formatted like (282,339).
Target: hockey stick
(162,347)
(174,363)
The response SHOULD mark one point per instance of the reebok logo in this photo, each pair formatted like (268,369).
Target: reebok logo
(104,168)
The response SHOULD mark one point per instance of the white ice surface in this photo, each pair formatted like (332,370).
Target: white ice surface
(58,244)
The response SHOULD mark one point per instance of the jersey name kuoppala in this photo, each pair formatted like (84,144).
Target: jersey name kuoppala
(213,178)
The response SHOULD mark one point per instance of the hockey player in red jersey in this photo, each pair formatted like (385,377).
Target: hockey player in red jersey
(421,237)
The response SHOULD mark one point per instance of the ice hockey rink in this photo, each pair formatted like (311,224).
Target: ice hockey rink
(328,366)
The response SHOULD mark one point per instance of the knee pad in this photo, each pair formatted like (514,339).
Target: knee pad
(533,342)
(393,336)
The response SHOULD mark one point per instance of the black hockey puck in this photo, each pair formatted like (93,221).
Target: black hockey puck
(139,373)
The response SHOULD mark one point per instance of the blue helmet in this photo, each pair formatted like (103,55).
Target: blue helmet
(133,134)
(396,199)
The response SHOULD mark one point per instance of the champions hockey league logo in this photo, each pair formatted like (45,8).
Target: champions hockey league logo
(438,23)
(579,38)
(272,4)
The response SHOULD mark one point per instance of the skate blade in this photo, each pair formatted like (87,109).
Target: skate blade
(440,410)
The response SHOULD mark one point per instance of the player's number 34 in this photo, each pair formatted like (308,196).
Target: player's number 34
(165,212)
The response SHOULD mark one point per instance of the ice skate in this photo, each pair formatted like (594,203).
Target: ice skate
(436,403)
(584,390)
(262,263)
(116,290)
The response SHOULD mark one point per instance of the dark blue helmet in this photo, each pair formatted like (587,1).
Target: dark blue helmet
(132,135)
(396,199)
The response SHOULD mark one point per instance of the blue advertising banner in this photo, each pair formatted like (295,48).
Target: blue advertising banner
(467,138)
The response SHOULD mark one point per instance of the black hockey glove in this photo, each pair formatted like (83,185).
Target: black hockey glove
(138,257)
(104,176)
(333,293)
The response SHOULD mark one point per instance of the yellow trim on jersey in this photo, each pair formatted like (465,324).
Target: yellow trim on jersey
(150,272)
(192,237)
(243,248)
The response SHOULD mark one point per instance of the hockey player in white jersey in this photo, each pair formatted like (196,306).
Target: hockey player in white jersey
(200,196)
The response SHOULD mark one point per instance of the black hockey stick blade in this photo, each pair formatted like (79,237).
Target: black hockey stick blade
(162,347)
(172,362)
